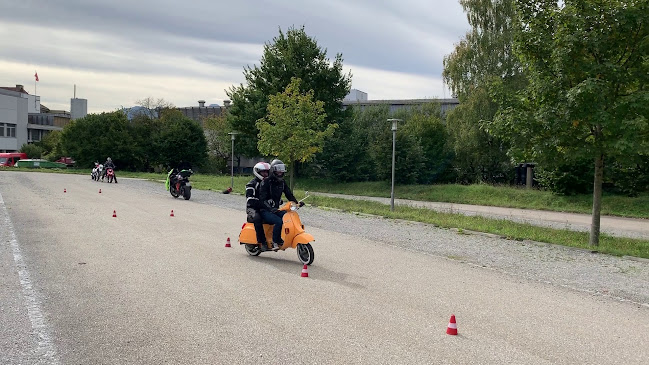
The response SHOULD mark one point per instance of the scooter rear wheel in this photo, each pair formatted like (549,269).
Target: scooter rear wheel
(253,250)
(305,253)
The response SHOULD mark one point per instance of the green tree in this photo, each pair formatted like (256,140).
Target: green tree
(32,150)
(345,155)
(485,52)
(51,144)
(146,130)
(293,54)
(588,95)
(409,156)
(295,127)
(97,136)
(218,140)
(482,58)
(478,156)
(426,126)
(181,139)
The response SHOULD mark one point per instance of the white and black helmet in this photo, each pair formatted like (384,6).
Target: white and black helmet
(261,170)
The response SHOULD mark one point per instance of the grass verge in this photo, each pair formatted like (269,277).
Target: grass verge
(497,196)
(511,230)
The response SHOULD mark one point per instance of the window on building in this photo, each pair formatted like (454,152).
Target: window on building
(2,129)
(10,130)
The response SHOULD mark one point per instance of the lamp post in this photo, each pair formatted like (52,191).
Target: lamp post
(394,144)
(232,134)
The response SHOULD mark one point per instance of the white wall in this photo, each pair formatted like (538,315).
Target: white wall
(13,109)
(33,104)
(356,95)
(78,108)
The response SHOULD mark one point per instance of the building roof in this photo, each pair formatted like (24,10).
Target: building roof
(17,88)
(401,102)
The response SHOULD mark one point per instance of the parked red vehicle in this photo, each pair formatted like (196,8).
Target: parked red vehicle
(66,160)
(10,158)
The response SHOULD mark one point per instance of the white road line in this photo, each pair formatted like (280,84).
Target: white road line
(46,350)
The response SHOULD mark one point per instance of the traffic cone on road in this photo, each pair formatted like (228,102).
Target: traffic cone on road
(114,214)
(172,213)
(227,243)
(305,271)
(452,326)
(65,191)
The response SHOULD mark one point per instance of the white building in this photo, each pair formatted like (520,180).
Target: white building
(13,120)
(78,108)
(355,95)
(24,120)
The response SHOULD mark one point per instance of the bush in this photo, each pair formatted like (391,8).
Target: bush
(32,150)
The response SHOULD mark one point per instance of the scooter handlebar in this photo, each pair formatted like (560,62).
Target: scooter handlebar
(291,206)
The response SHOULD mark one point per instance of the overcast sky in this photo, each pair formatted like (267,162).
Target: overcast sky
(120,51)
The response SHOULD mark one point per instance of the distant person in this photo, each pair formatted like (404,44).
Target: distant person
(109,165)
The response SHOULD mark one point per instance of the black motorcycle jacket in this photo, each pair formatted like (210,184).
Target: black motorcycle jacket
(252,195)
(270,193)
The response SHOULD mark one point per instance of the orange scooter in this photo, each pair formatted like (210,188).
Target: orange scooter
(293,235)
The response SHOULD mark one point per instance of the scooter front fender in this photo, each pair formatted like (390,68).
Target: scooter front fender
(302,238)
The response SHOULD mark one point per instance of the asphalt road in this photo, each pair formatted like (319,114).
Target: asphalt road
(78,286)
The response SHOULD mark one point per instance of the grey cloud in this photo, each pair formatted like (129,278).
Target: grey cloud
(401,36)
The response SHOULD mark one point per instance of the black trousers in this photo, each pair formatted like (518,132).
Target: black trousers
(257,221)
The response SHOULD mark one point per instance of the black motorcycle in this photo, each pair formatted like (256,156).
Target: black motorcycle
(178,183)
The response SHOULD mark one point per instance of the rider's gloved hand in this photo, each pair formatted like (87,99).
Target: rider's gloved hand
(301,204)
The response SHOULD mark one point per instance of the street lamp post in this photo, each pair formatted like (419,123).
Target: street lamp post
(232,134)
(394,145)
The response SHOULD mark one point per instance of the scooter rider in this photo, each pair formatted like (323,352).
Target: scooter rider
(271,191)
(253,204)
(109,165)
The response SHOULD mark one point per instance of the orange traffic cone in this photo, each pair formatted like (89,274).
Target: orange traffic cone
(64,190)
(452,326)
(305,271)
(227,243)
(114,214)
(172,213)
(99,191)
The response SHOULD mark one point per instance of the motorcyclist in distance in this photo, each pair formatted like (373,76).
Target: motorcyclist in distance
(109,165)
(253,204)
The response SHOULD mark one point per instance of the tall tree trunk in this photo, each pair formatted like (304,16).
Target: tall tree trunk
(597,201)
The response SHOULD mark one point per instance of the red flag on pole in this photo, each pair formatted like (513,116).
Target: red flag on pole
(36,75)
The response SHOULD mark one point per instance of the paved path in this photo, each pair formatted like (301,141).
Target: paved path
(615,226)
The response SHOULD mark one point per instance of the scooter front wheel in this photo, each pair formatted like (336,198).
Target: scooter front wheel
(305,253)
(253,250)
